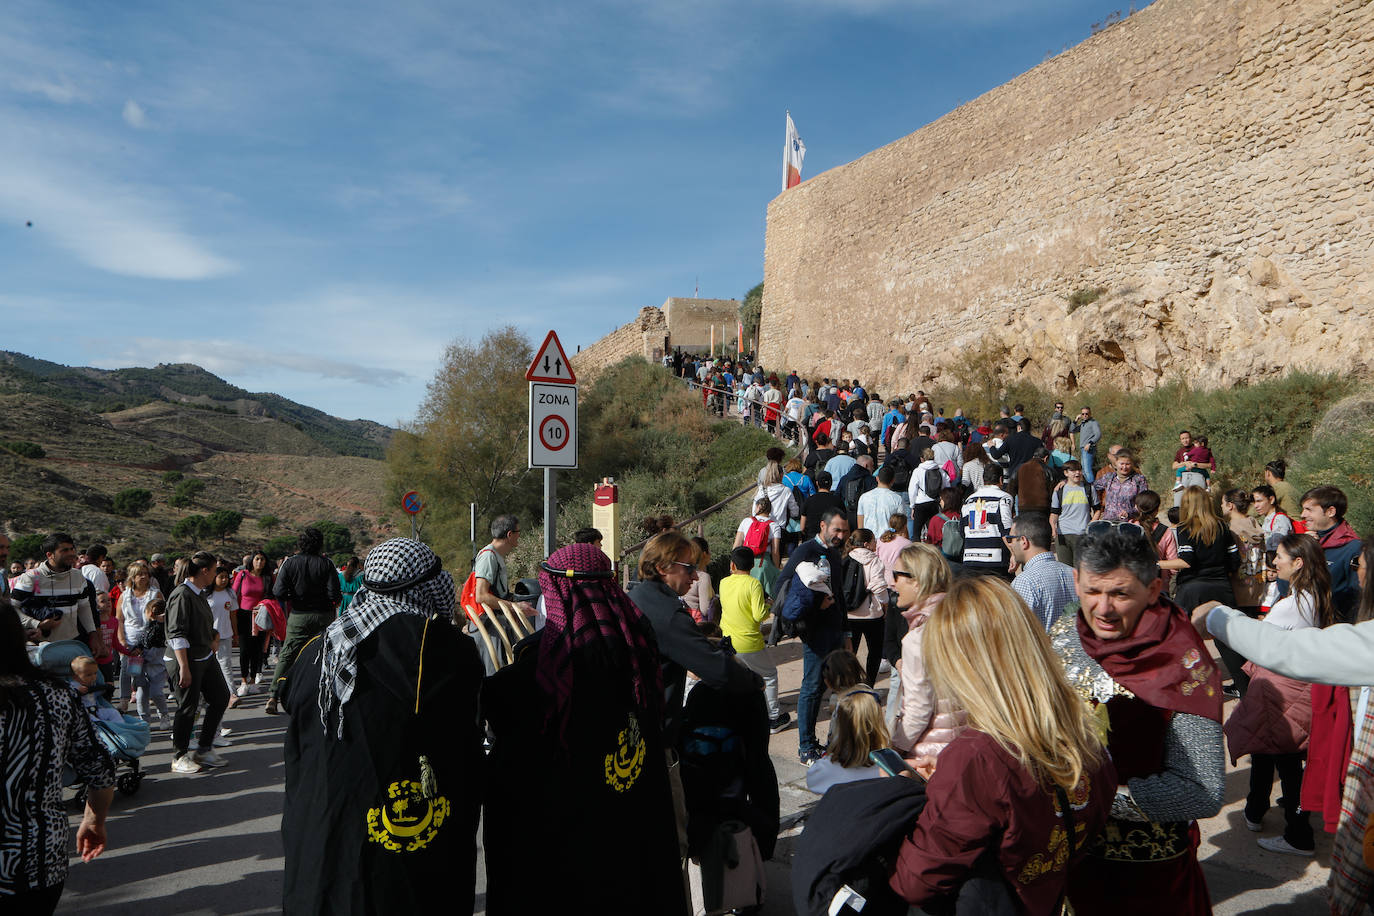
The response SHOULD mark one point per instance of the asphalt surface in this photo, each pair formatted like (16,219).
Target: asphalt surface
(210,843)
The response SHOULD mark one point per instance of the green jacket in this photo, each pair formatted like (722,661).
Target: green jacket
(189,617)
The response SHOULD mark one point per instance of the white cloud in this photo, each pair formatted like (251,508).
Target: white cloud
(114,227)
(223,357)
(63,92)
(134,115)
(405,199)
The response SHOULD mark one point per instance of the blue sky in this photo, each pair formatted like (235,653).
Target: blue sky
(313,198)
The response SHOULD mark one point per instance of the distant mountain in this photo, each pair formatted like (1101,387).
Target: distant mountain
(71,439)
(114,391)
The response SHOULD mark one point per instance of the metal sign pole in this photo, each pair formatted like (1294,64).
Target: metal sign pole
(550,511)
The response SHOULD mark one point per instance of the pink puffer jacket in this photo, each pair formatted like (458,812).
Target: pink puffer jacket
(925,724)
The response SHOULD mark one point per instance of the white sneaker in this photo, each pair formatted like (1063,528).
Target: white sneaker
(1279,844)
(245,689)
(185,764)
(210,759)
(223,742)
(225,731)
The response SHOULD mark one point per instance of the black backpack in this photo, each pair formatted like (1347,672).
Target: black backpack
(853,489)
(901,471)
(853,584)
(933,482)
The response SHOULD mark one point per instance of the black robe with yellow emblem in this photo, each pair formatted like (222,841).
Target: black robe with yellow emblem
(586,828)
(361,835)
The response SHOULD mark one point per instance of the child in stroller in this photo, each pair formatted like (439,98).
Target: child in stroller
(125,737)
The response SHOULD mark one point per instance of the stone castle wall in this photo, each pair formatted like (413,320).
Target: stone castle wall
(685,322)
(690,321)
(1205,164)
(641,337)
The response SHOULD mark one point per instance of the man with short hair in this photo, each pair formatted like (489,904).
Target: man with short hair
(823,630)
(1117,493)
(93,570)
(986,516)
(1045,584)
(1132,653)
(307,585)
(1089,433)
(161,574)
(55,599)
(854,484)
(1323,509)
(1186,469)
(881,503)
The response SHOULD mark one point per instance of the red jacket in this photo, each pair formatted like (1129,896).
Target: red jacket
(981,798)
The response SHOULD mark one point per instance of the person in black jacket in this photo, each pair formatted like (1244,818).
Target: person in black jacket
(667,568)
(1017,448)
(822,630)
(308,587)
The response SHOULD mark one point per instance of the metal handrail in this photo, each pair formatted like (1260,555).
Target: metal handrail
(698,518)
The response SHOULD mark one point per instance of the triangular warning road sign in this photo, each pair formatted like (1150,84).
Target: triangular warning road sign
(551,364)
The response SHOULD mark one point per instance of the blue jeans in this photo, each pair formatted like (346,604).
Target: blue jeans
(812,689)
(1087,461)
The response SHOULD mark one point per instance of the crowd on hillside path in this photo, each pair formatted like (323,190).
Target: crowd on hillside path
(1011,634)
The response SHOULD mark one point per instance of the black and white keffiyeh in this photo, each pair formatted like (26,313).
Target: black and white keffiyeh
(400,576)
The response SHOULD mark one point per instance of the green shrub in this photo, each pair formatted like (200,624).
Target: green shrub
(1085,295)
(171,477)
(186,492)
(133,502)
(26,449)
(337,538)
(268,522)
(191,528)
(281,546)
(27,547)
(222,523)
(1342,455)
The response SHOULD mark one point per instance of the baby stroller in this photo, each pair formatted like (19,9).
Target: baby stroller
(126,741)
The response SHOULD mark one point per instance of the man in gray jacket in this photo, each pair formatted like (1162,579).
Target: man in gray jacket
(1089,433)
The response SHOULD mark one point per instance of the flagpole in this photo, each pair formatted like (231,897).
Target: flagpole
(787,115)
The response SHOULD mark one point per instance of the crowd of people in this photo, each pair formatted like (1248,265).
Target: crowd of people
(1014,649)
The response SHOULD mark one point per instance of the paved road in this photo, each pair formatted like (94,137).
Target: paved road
(210,844)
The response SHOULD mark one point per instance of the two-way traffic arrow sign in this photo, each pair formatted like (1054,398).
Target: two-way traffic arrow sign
(551,364)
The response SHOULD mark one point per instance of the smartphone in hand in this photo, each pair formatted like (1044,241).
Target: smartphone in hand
(891,763)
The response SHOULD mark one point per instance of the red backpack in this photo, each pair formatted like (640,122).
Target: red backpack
(756,538)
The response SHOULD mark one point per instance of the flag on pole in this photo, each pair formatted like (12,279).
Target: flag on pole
(794,151)
(739,337)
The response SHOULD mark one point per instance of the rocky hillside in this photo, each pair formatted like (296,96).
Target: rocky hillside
(117,390)
(72,439)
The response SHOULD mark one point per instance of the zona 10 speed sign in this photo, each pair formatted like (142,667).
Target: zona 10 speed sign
(553,425)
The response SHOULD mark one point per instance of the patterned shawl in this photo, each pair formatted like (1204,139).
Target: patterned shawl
(400,576)
(583,612)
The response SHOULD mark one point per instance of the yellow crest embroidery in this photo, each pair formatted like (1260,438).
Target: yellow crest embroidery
(407,821)
(624,766)
(1198,679)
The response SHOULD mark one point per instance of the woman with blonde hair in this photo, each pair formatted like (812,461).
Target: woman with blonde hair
(1028,783)
(925,724)
(857,728)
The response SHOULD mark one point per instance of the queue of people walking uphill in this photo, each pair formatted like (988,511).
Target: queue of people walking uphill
(1051,729)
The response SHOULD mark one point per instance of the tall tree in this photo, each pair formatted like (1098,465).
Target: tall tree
(751,311)
(468,441)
